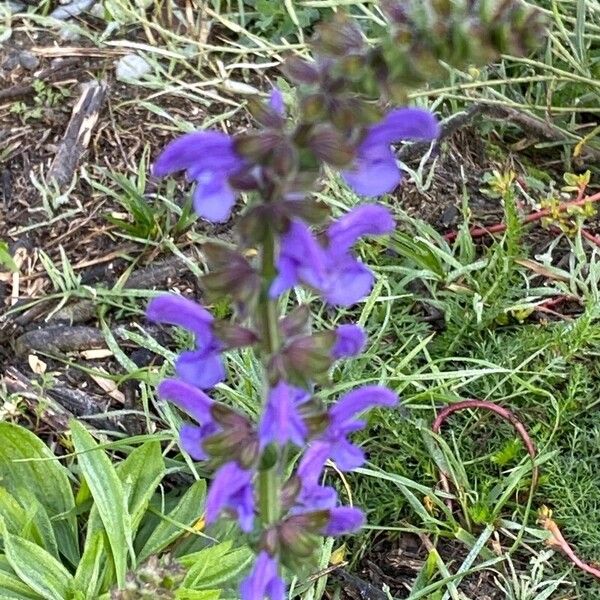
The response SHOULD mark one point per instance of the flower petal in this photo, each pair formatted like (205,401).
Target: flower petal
(263,581)
(359,400)
(188,398)
(301,257)
(281,421)
(374,172)
(201,368)
(403,124)
(231,489)
(213,197)
(276,101)
(350,282)
(200,150)
(368,219)
(344,519)
(191,438)
(346,455)
(177,310)
(350,341)
(312,463)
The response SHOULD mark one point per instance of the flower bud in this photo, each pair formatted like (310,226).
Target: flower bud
(305,359)
(295,537)
(232,275)
(328,144)
(313,107)
(300,70)
(289,492)
(257,146)
(296,322)
(264,114)
(338,37)
(234,336)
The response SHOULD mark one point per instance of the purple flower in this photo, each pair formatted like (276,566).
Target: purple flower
(276,101)
(196,404)
(331,269)
(343,520)
(210,159)
(231,490)
(204,366)
(375,171)
(281,421)
(350,341)
(343,421)
(314,496)
(264,581)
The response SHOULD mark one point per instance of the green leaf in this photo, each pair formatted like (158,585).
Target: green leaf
(212,567)
(89,570)
(38,528)
(187,511)
(186,594)
(11,586)
(140,473)
(6,259)
(108,494)
(27,463)
(37,568)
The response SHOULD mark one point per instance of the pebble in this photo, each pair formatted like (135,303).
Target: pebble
(132,67)
(28,60)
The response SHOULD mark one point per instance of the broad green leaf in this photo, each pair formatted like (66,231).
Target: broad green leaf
(108,494)
(25,516)
(212,567)
(11,585)
(187,511)
(89,570)
(39,523)
(37,568)
(140,473)
(27,463)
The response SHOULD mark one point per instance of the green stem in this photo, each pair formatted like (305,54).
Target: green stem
(269,481)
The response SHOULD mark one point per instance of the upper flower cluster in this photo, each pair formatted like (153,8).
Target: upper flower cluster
(222,165)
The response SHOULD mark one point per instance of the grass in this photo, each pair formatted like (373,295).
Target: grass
(483,336)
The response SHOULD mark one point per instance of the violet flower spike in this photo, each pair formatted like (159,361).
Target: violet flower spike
(375,171)
(210,159)
(263,582)
(232,490)
(202,367)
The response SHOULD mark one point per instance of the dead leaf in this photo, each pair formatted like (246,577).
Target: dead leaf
(36,364)
(96,353)
(110,387)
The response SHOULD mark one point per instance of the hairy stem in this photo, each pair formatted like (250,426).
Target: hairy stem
(268,484)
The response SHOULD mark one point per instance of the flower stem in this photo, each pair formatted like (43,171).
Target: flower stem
(268,482)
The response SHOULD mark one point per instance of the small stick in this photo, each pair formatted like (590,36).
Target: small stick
(77,135)
(535,216)
(503,413)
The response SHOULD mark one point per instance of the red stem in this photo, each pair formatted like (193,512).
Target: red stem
(503,413)
(535,216)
